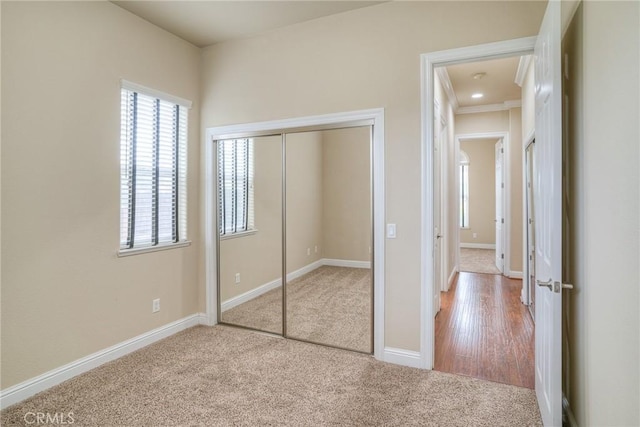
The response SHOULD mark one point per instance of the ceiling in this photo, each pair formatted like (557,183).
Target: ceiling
(497,85)
(204,23)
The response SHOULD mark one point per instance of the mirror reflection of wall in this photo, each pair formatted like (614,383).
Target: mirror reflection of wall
(329,280)
(250,222)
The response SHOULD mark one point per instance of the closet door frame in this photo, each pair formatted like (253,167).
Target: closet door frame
(373,118)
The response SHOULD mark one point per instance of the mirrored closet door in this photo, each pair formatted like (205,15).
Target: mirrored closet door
(250,232)
(298,202)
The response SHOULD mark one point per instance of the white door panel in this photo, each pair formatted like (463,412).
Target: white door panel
(499,216)
(548,215)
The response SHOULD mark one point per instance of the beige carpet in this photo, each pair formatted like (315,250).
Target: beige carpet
(329,305)
(221,376)
(478,261)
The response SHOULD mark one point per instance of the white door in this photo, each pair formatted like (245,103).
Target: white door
(499,206)
(548,215)
(437,216)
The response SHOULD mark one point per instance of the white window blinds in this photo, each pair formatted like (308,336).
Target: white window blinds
(235,186)
(153,174)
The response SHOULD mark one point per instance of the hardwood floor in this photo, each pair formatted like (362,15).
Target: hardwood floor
(484,331)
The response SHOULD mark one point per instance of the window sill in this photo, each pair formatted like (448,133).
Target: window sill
(148,249)
(465,228)
(241,234)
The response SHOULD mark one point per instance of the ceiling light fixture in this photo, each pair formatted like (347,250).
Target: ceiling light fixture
(477,95)
(478,76)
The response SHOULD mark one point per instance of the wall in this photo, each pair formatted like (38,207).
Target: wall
(528,103)
(604,327)
(65,293)
(482,191)
(516,155)
(257,257)
(346,190)
(504,121)
(304,199)
(356,60)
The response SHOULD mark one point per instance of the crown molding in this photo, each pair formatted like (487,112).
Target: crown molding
(489,108)
(443,75)
(523,66)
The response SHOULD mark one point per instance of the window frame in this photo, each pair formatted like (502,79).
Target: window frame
(249,177)
(464,202)
(180,174)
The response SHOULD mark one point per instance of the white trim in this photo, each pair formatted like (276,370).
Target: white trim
(377,116)
(304,270)
(346,263)
(19,392)
(488,108)
(452,277)
(523,66)
(402,357)
(135,87)
(478,245)
(239,234)
(249,295)
(147,249)
(445,80)
(428,61)
(514,274)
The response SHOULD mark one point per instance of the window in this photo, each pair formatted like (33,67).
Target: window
(153,169)
(464,190)
(235,191)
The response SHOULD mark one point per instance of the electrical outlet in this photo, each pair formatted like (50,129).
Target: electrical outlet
(237,278)
(475,235)
(316,249)
(156,305)
(308,251)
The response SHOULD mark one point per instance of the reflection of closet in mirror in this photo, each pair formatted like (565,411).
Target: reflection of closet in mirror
(328,236)
(250,229)
(327,182)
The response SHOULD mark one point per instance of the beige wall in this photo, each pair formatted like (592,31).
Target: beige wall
(356,60)
(604,240)
(494,121)
(482,191)
(257,257)
(528,103)
(304,199)
(65,293)
(516,155)
(346,210)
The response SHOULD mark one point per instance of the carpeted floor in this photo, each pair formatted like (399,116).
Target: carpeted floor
(329,305)
(220,376)
(478,261)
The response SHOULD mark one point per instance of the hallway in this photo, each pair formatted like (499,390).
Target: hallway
(484,331)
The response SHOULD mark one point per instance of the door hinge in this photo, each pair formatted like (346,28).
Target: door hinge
(502,150)
(530,221)
(502,256)
(502,185)
(502,220)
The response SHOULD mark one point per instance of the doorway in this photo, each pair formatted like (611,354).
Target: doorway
(495,287)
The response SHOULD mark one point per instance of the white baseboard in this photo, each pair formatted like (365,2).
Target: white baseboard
(478,245)
(304,270)
(346,263)
(25,389)
(262,289)
(515,275)
(402,357)
(249,295)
